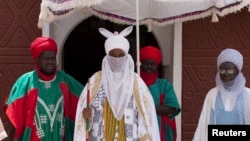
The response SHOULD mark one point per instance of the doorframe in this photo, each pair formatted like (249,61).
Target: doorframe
(177,73)
(176,44)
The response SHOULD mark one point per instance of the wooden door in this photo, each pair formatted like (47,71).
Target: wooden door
(18,28)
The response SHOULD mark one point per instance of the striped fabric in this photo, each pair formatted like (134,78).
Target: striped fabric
(114,129)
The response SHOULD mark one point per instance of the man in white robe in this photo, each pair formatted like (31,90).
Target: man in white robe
(228,102)
(116,104)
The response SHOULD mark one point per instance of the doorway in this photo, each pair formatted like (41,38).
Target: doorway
(84,48)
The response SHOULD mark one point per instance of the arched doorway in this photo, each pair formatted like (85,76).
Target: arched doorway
(84,48)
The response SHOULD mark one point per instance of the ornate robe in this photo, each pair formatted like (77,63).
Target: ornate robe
(140,119)
(43,110)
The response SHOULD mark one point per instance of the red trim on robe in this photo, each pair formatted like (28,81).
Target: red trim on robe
(21,114)
(21,111)
(70,102)
(170,123)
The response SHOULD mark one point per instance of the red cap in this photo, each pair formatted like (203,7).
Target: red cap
(150,53)
(42,44)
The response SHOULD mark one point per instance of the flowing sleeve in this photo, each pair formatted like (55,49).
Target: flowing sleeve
(153,119)
(22,97)
(80,124)
(202,127)
(148,109)
(80,131)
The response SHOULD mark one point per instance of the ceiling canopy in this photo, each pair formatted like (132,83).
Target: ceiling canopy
(158,12)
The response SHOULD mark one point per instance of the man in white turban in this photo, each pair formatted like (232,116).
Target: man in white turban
(228,102)
(116,105)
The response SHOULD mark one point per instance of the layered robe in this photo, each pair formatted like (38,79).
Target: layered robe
(211,105)
(43,110)
(139,122)
(163,94)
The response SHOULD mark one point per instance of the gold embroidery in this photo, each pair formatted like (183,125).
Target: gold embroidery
(96,86)
(138,99)
(145,137)
(79,126)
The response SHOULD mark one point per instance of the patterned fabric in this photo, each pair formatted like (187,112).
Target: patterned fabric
(114,129)
(43,111)
(140,119)
(131,123)
(49,112)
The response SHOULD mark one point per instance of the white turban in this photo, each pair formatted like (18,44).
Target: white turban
(116,40)
(118,73)
(230,55)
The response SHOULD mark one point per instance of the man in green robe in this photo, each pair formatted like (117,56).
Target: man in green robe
(166,102)
(42,103)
